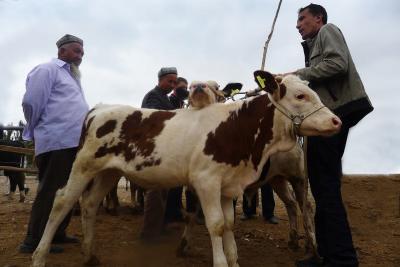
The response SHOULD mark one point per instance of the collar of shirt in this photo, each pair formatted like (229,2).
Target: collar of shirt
(67,66)
(60,63)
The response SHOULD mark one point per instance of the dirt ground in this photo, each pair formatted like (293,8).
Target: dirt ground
(372,201)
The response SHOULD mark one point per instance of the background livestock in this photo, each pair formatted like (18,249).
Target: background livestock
(372,203)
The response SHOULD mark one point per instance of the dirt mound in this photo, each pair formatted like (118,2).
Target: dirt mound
(372,201)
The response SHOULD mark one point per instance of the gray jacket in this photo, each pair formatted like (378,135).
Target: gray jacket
(333,75)
(157,99)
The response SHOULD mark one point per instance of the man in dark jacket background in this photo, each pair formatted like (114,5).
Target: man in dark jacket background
(180,93)
(333,76)
(173,210)
(155,199)
(157,98)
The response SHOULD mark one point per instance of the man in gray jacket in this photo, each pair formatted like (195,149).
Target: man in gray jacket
(156,199)
(333,76)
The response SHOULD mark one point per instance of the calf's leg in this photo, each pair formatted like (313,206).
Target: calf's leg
(209,195)
(228,238)
(300,186)
(186,240)
(281,187)
(190,221)
(63,203)
(91,199)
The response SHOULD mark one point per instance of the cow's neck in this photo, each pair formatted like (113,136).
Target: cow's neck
(244,135)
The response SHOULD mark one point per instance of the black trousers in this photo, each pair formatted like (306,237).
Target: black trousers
(267,202)
(191,201)
(334,240)
(16,178)
(54,169)
(174,204)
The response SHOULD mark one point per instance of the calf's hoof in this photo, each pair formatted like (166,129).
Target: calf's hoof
(293,242)
(233,264)
(311,248)
(137,209)
(293,245)
(112,212)
(183,248)
(37,261)
(93,261)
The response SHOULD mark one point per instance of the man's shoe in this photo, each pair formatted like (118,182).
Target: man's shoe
(149,239)
(199,220)
(245,217)
(174,219)
(22,196)
(28,249)
(65,240)
(24,248)
(11,196)
(272,220)
(310,262)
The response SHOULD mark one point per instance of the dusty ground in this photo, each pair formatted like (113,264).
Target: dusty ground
(373,204)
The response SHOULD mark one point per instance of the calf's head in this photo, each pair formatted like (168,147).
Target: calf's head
(203,94)
(296,101)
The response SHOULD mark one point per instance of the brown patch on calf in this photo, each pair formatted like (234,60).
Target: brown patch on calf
(147,163)
(137,137)
(235,140)
(106,128)
(282,90)
(85,128)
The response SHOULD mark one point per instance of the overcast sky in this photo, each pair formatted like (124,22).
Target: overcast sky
(126,42)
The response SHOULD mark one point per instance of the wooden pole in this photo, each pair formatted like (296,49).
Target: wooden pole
(19,150)
(16,169)
(270,36)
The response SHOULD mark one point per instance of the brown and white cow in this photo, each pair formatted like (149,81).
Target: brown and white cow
(288,167)
(285,167)
(219,150)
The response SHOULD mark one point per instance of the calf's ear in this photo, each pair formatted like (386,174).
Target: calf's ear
(266,81)
(232,89)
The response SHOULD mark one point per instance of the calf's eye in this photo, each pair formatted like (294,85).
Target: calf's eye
(300,97)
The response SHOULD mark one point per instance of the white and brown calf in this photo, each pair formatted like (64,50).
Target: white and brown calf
(219,150)
(288,167)
(285,167)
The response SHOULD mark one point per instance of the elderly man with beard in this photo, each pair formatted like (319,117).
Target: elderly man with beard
(54,107)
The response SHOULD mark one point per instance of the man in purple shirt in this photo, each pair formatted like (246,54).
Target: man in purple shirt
(55,108)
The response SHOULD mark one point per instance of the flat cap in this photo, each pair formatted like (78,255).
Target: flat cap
(68,38)
(167,70)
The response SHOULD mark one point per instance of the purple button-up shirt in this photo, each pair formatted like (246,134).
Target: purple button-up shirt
(54,107)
